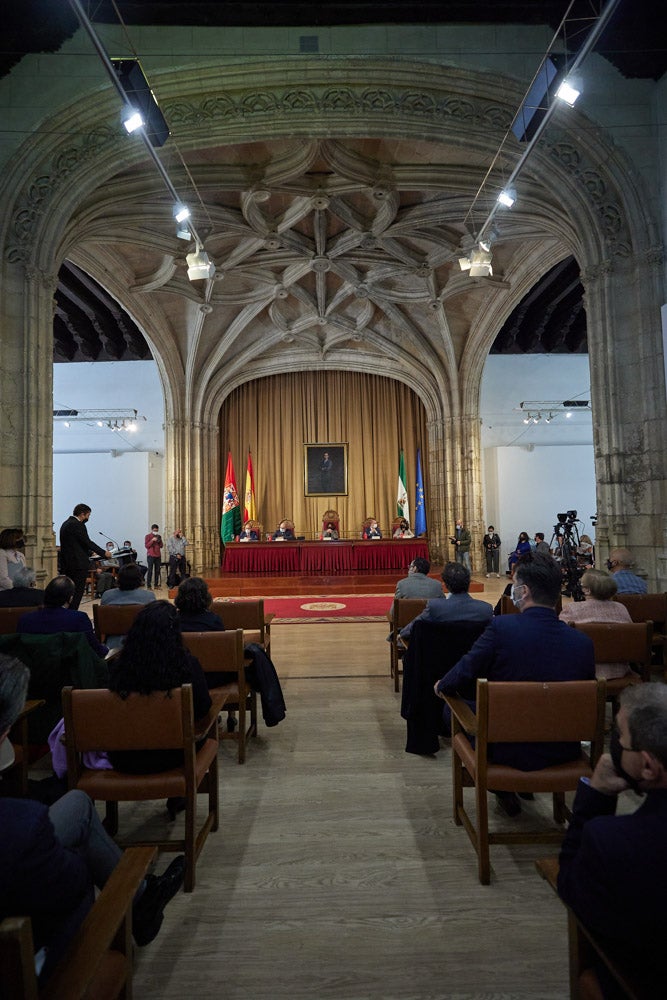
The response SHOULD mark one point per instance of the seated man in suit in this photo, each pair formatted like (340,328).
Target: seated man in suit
(531,646)
(284,533)
(371,530)
(248,534)
(458,607)
(57,616)
(418,583)
(24,593)
(612,871)
(51,859)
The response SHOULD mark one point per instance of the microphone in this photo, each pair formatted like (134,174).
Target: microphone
(108,538)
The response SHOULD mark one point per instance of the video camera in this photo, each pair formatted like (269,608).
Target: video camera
(566,522)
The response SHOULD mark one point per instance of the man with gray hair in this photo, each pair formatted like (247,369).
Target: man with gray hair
(612,868)
(627,582)
(23,593)
(52,859)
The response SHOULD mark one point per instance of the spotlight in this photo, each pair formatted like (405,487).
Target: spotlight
(537,418)
(507,197)
(100,423)
(568,414)
(526,420)
(199,265)
(132,120)
(569,91)
(67,424)
(479,261)
(181,213)
(183,233)
(549,418)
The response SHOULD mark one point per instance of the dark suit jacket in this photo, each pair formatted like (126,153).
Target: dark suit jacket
(456,608)
(287,534)
(613,875)
(40,878)
(532,646)
(76,546)
(48,621)
(21,597)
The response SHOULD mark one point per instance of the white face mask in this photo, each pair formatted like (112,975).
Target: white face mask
(517,601)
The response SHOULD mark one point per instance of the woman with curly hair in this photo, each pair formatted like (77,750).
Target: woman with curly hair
(155,659)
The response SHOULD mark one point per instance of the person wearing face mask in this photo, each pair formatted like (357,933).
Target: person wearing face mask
(612,868)
(627,582)
(531,646)
(12,544)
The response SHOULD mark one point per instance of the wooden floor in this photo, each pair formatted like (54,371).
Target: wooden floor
(337,871)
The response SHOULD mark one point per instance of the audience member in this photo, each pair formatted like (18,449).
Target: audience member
(523,548)
(12,559)
(57,615)
(458,607)
(461,541)
(154,658)
(130,590)
(531,646)
(585,551)
(612,870)
(599,588)
(540,545)
(24,593)
(154,544)
(418,583)
(131,556)
(284,533)
(491,546)
(627,582)
(193,601)
(75,550)
(178,567)
(51,858)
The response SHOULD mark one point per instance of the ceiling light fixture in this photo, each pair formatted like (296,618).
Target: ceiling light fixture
(181,212)
(507,197)
(569,91)
(132,120)
(200,265)
(478,262)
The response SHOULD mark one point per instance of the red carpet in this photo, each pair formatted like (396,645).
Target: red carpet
(339,608)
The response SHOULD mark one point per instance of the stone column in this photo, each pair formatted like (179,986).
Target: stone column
(192,500)
(26,411)
(629,409)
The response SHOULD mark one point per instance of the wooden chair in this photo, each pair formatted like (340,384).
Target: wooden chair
(650,608)
(586,951)
(223,651)
(14,779)
(331,516)
(98,963)
(9,619)
(248,615)
(114,619)
(521,712)
(102,720)
(621,642)
(403,610)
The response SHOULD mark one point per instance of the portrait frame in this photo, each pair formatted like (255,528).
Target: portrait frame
(320,482)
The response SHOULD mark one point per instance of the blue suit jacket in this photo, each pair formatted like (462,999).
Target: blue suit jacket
(40,878)
(613,875)
(455,608)
(47,621)
(532,646)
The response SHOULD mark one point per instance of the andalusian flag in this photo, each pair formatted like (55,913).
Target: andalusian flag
(230,526)
(249,512)
(402,503)
(420,509)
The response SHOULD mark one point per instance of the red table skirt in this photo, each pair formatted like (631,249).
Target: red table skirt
(322,558)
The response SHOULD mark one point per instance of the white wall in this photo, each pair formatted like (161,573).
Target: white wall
(117,489)
(526,487)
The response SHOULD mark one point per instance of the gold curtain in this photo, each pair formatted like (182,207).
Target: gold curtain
(276,416)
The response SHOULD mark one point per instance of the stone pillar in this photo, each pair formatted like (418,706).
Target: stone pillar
(26,411)
(629,409)
(192,500)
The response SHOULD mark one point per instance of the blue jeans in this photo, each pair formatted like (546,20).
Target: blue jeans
(464,557)
(79,827)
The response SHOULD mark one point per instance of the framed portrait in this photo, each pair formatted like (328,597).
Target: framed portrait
(325,469)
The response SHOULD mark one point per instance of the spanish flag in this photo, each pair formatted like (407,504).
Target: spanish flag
(249,511)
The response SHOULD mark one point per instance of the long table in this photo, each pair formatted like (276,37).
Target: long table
(319,558)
